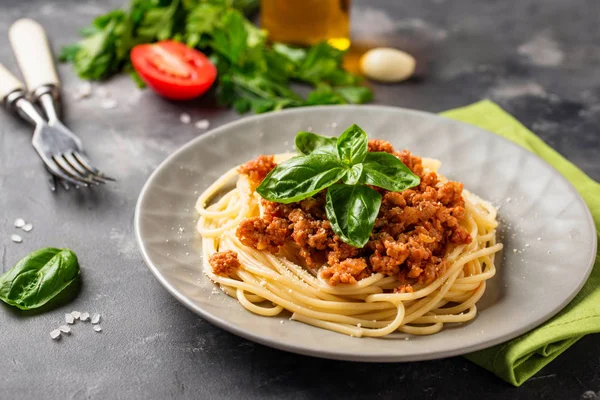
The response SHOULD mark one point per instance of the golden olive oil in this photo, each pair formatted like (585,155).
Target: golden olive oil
(306,22)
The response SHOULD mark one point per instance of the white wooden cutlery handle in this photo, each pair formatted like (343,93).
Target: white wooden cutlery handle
(8,83)
(31,48)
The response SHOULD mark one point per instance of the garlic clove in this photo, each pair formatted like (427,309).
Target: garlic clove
(386,64)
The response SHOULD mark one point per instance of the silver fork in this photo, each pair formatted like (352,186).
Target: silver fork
(60,149)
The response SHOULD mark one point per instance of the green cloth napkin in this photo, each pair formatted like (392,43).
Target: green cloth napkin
(519,359)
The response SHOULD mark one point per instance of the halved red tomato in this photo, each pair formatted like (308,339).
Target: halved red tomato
(173,70)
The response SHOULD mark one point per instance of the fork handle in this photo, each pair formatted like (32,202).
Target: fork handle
(8,83)
(31,48)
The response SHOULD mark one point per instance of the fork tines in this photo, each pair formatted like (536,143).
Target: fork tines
(75,168)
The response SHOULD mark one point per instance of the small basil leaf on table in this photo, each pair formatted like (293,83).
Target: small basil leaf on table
(308,142)
(301,177)
(37,278)
(388,172)
(352,210)
(352,145)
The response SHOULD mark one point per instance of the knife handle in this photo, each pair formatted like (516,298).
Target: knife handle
(8,83)
(31,48)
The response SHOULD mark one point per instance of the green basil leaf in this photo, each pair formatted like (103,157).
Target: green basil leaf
(387,171)
(307,143)
(352,145)
(352,210)
(301,177)
(37,278)
(353,175)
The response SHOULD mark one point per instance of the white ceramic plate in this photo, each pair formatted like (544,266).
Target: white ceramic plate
(543,219)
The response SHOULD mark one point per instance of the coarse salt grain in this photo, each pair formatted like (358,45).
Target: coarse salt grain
(64,329)
(84,90)
(334,124)
(108,104)
(185,118)
(539,239)
(69,319)
(55,334)
(97,328)
(19,223)
(76,314)
(508,199)
(16,238)
(202,124)
(102,92)
(95,318)
(85,316)
(27,227)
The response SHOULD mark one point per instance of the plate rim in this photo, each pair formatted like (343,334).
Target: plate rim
(299,349)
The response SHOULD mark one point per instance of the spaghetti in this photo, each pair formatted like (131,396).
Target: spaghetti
(267,284)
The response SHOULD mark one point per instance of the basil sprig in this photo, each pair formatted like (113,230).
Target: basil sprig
(37,278)
(344,166)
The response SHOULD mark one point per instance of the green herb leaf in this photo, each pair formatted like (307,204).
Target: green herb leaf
(352,210)
(324,94)
(201,22)
(95,56)
(294,54)
(321,64)
(253,75)
(232,40)
(37,278)
(307,143)
(353,175)
(68,53)
(301,177)
(355,94)
(352,145)
(139,82)
(157,23)
(387,171)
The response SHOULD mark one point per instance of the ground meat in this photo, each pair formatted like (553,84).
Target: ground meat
(410,237)
(264,233)
(381,146)
(348,271)
(257,169)
(224,262)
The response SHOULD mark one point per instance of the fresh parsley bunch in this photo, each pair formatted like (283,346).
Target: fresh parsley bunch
(346,168)
(253,75)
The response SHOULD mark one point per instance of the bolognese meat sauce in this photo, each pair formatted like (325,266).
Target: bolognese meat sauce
(409,239)
(224,263)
